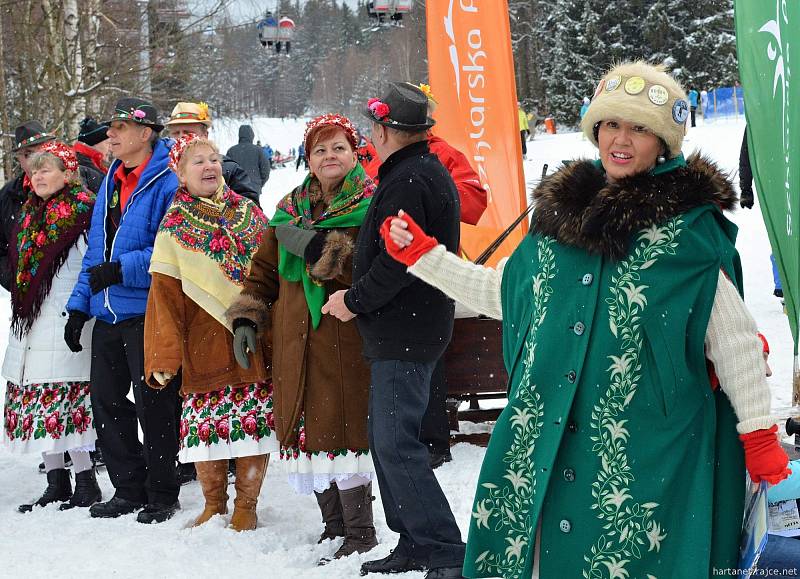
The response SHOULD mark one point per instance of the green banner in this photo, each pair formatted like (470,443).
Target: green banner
(768,43)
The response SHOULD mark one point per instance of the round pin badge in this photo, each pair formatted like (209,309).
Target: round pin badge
(599,88)
(680,111)
(612,83)
(634,85)
(658,95)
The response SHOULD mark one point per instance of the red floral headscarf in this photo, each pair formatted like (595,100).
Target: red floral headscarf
(177,150)
(63,152)
(335,120)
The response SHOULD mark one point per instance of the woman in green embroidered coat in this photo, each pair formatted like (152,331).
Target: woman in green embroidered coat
(614,457)
(321,380)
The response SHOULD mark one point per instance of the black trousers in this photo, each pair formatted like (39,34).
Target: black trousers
(435,430)
(139,472)
(523,136)
(693,111)
(413,502)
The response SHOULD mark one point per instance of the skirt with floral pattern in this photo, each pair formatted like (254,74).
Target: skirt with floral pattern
(50,417)
(228,423)
(314,471)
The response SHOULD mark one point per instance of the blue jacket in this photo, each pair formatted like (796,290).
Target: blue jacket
(133,244)
(693,97)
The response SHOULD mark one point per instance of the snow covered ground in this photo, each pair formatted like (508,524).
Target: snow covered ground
(47,542)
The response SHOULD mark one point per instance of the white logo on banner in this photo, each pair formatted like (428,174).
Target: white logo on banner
(781,79)
(475,78)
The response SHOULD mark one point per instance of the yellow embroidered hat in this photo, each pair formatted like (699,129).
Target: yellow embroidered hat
(186,113)
(643,94)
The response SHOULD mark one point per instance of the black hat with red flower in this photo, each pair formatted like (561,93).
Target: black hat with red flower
(405,107)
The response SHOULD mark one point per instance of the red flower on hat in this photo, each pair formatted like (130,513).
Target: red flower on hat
(379,110)
(139,114)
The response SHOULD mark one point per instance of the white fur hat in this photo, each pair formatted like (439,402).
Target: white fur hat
(644,94)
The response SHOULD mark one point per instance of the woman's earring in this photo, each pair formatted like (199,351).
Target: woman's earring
(661,159)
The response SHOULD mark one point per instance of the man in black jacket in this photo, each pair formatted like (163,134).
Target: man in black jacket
(405,325)
(251,157)
(195,118)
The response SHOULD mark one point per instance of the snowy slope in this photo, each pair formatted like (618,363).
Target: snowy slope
(284,544)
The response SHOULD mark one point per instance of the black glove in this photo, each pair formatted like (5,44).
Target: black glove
(746,199)
(244,341)
(293,238)
(314,248)
(104,275)
(73,329)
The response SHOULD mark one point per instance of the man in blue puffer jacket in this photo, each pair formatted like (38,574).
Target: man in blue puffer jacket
(113,287)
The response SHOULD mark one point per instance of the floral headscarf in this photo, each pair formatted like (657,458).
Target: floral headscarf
(46,232)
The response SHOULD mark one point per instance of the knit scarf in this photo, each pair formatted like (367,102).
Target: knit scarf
(208,244)
(45,233)
(347,209)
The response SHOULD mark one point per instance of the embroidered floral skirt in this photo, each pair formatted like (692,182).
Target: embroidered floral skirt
(228,423)
(311,472)
(50,417)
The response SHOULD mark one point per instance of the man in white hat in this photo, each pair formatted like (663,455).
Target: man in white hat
(195,118)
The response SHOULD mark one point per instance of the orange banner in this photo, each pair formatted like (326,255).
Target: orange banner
(471,71)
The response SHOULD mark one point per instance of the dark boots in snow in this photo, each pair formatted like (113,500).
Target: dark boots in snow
(331,508)
(359,530)
(59,489)
(87,491)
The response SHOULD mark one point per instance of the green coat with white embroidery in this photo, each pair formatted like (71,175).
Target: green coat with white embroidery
(613,441)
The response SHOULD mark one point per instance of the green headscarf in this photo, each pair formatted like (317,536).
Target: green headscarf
(347,209)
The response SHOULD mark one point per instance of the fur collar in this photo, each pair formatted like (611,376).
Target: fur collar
(577,207)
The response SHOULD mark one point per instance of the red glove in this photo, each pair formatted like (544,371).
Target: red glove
(764,457)
(420,245)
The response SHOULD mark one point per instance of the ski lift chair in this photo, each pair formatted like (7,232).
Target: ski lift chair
(268,30)
(286,28)
(394,9)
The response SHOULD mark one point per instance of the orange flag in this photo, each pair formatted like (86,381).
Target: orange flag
(471,71)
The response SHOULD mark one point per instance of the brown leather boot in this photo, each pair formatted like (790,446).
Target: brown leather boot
(213,477)
(359,530)
(331,508)
(250,471)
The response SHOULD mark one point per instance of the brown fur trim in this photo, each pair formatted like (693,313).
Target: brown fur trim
(316,195)
(578,207)
(250,308)
(337,249)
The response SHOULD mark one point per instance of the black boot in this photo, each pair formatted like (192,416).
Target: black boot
(59,489)
(331,508)
(116,507)
(359,529)
(395,562)
(97,457)
(186,473)
(87,491)
(157,512)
